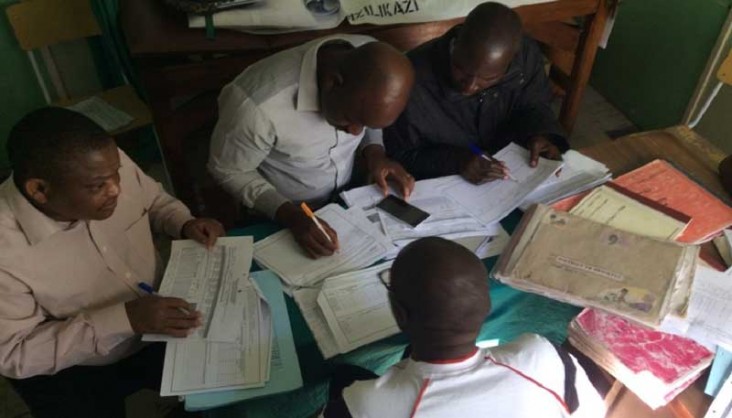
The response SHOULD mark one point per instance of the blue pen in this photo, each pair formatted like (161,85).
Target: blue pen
(479,152)
(150,291)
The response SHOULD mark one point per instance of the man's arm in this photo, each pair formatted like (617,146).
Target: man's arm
(242,139)
(167,214)
(533,115)
(31,343)
(404,143)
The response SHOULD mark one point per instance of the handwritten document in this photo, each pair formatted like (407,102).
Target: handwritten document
(361,244)
(356,308)
(208,279)
(491,202)
(710,310)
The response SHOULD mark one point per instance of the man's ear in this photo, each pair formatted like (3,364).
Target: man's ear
(401,314)
(37,190)
(332,81)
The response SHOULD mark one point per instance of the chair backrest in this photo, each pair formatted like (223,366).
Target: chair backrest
(42,23)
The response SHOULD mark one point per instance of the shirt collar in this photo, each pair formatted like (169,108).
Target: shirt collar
(308,99)
(425,369)
(35,224)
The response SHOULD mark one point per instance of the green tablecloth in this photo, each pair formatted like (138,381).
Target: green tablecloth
(513,313)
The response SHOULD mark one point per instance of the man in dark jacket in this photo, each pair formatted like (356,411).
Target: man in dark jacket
(482,84)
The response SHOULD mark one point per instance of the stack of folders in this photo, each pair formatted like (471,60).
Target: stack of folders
(583,262)
(654,365)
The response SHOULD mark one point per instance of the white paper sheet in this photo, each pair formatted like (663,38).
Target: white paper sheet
(491,202)
(267,14)
(102,113)
(447,219)
(710,310)
(361,244)
(208,279)
(201,366)
(356,308)
(307,300)
(367,197)
(579,173)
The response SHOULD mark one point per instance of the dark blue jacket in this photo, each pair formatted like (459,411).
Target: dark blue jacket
(430,138)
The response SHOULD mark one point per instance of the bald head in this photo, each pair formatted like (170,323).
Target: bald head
(371,88)
(443,291)
(485,46)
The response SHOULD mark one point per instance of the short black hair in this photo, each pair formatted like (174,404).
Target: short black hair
(44,140)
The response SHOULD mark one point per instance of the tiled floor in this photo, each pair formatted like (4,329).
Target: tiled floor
(598,121)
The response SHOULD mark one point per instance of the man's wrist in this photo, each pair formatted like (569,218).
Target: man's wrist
(183,228)
(286,214)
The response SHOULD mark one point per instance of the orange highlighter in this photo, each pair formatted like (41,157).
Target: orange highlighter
(312,216)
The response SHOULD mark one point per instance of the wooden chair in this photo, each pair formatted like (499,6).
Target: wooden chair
(40,24)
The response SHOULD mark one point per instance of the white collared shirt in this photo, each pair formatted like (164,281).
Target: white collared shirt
(271,144)
(523,379)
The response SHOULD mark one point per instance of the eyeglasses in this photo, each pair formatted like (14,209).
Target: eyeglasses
(385,278)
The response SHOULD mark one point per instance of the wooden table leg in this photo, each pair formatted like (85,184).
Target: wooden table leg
(613,395)
(585,58)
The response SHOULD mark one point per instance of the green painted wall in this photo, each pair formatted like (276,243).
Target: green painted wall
(18,86)
(656,54)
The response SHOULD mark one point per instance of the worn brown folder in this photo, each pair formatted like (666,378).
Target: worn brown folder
(578,261)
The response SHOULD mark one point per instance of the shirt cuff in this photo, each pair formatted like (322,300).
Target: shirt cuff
(269,201)
(174,225)
(372,137)
(111,326)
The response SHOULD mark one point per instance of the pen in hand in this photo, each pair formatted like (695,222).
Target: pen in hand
(150,291)
(478,152)
(305,208)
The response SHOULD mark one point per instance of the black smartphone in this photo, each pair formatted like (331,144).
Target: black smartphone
(398,208)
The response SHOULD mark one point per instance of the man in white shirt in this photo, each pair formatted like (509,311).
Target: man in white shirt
(291,125)
(439,296)
(76,224)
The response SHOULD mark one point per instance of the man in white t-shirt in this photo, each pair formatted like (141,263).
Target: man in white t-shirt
(439,296)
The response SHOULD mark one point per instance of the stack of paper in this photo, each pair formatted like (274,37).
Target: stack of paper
(198,366)
(578,174)
(284,372)
(233,347)
(572,259)
(447,219)
(654,365)
(348,311)
(709,317)
(208,280)
(493,201)
(361,244)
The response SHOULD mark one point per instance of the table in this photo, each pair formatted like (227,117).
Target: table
(513,311)
(699,159)
(182,71)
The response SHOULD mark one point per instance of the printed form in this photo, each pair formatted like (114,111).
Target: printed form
(197,366)
(491,202)
(356,307)
(208,280)
(361,244)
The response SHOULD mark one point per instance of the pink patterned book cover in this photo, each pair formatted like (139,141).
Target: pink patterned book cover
(668,357)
